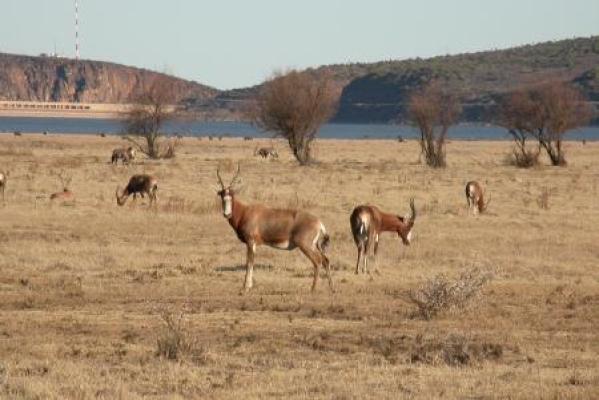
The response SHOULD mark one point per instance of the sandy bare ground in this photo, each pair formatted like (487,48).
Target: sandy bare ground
(85,288)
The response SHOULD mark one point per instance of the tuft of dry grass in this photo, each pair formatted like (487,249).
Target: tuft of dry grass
(175,340)
(441,293)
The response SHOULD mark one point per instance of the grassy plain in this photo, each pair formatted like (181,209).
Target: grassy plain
(84,287)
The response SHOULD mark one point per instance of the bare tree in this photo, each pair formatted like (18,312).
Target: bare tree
(151,108)
(547,113)
(517,113)
(433,110)
(294,105)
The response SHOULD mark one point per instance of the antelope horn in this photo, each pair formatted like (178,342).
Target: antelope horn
(119,198)
(413,210)
(220,179)
(236,177)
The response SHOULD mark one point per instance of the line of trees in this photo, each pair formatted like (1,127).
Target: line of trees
(294,105)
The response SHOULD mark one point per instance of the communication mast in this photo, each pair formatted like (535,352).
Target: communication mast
(77,29)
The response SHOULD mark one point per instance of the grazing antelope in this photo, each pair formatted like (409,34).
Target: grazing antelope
(283,229)
(125,155)
(475,196)
(368,222)
(266,152)
(139,184)
(3,179)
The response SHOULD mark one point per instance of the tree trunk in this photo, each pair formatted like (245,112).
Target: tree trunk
(555,153)
(301,151)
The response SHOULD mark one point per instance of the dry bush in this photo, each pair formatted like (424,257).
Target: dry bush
(152,108)
(523,157)
(544,197)
(178,205)
(293,106)
(433,110)
(175,341)
(455,350)
(444,294)
(170,148)
(545,113)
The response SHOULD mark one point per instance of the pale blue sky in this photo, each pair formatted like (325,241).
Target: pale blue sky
(236,43)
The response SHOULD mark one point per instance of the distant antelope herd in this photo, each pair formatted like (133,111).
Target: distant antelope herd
(285,229)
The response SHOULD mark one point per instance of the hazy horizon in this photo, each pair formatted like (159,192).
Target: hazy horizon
(232,45)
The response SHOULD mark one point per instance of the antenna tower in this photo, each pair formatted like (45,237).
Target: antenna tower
(77,29)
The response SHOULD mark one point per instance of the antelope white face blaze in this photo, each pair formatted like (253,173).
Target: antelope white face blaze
(227,205)
(409,237)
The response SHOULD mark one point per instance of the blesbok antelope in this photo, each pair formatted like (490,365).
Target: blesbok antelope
(475,196)
(266,152)
(368,222)
(3,180)
(284,229)
(139,184)
(125,155)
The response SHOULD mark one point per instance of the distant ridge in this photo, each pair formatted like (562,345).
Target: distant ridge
(29,78)
(369,92)
(377,92)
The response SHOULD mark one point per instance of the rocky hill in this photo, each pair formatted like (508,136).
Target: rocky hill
(378,92)
(62,79)
(370,92)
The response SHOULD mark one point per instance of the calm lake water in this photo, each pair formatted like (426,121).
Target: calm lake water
(239,129)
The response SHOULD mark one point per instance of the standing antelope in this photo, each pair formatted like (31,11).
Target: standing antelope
(139,184)
(475,196)
(125,155)
(3,179)
(368,222)
(283,229)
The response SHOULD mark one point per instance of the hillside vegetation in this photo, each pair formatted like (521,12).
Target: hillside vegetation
(370,92)
(377,92)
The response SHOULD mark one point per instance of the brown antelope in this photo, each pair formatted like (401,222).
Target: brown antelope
(368,222)
(475,196)
(283,229)
(139,184)
(266,152)
(65,195)
(3,180)
(125,155)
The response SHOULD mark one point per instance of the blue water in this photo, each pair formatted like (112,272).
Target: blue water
(239,129)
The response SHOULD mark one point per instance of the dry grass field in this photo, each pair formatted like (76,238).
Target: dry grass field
(87,289)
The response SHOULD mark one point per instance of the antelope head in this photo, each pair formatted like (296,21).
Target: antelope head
(121,199)
(227,192)
(405,230)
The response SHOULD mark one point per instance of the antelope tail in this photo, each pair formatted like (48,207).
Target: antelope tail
(325,242)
